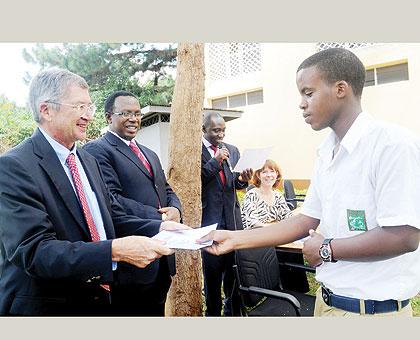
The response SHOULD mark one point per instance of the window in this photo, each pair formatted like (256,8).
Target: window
(370,77)
(392,73)
(220,103)
(255,97)
(387,74)
(237,100)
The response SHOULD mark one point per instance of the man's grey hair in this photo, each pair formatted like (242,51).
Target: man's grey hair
(50,85)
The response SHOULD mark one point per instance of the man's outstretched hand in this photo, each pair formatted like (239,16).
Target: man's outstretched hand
(223,242)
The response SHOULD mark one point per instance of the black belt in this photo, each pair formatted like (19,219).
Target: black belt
(353,305)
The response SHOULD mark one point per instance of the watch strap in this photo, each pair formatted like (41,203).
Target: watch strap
(327,242)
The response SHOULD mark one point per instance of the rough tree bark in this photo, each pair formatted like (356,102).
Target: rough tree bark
(184,172)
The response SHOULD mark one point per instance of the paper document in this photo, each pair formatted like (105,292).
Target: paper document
(302,240)
(252,159)
(185,239)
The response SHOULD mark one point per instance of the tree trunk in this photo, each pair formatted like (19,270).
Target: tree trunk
(184,173)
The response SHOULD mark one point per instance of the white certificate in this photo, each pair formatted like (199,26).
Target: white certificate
(185,239)
(252,159)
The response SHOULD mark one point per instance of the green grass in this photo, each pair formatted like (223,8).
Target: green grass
(313,284)
(415,303)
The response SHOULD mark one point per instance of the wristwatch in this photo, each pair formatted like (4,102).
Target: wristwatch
(325,251)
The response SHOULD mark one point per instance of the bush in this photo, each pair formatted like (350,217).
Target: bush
(16,124)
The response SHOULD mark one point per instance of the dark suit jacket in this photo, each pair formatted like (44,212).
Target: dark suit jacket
(49,266)
(217,199)
(131,184)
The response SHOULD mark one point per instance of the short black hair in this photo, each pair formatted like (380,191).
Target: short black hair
(338,64)
(110,101)
(208,116)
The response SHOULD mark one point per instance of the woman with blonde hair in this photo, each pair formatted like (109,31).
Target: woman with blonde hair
(264,205)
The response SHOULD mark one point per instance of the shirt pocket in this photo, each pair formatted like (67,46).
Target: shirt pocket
(356,214)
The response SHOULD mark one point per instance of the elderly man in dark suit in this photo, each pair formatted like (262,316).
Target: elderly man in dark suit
(221,206)
(135,176)
(59,254)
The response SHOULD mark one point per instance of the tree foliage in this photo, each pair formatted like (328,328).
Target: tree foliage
(16,124)
(111,67)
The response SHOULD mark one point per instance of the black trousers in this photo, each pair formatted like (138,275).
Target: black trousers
(218,269)
(142,299)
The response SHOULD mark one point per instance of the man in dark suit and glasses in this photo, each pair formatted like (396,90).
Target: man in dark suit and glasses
(134,175)
(220,205)
(58,222)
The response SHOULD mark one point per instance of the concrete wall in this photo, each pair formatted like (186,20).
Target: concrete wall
(156,137)
(278,121)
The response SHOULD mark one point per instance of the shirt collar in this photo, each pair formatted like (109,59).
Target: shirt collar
(124,140)
(206,143)
(351,138)
(61,151)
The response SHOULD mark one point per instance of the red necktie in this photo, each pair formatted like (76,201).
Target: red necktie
(71,162)
(221,173)
(133,146)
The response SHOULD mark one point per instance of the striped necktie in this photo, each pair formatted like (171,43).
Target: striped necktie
(71,163)
(133,146)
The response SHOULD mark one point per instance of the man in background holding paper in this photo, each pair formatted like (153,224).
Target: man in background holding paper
(219,205)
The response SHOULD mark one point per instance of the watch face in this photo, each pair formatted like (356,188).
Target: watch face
(324,253)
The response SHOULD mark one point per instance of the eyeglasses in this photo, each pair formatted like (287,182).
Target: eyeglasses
(128,114)
(81,108)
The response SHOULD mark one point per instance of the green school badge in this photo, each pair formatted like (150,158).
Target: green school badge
(356,219)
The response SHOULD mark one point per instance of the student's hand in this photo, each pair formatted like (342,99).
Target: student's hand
(311,248)
(139,251)
(223,242)
(170,214)
(246,175)
(173,226)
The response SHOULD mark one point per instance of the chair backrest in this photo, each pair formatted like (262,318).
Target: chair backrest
(289,194)
(258,267)
(249,187)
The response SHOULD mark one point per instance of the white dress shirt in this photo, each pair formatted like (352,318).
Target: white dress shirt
(376,173)
(62,154)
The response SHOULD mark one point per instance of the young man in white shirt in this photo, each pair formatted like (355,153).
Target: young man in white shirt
(364,196)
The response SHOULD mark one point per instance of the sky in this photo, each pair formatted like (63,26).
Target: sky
(12,71)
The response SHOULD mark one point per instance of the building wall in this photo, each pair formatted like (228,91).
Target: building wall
(278,121)
(156,137)
(394,102)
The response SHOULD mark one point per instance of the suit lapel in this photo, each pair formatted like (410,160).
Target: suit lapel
(52,166)
(228,174)
(226,170)
(149,159)
(127,152)
(205,153)
(89,166)
(161,190)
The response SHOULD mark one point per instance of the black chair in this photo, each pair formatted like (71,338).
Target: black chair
(259,286)
(289,194)
(249,187)
(293,270)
